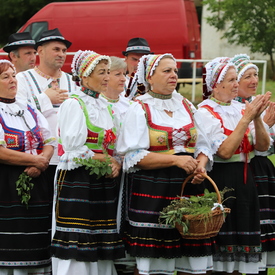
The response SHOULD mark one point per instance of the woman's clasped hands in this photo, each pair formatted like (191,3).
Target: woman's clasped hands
(191,165)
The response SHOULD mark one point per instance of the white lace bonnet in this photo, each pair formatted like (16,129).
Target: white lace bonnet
(215,72)
(146,66)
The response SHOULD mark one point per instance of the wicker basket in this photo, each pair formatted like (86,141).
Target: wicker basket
(199,228)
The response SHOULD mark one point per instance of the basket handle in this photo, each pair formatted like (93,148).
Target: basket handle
(205,176)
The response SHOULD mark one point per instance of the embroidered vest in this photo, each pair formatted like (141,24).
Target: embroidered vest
(15,139)
(161,137)
(98,139)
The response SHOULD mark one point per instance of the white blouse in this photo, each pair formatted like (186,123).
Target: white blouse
(72,127)
(231,115)
(133,142)
(9,113)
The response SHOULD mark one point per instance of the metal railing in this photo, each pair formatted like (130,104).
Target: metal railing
(194,66)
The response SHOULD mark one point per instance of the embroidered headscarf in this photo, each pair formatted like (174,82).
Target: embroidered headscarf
(84,62)
(243,63)
(146,66)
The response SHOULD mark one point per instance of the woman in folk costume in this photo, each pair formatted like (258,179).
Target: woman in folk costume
(26,146)
(86,240)
(113,94)
(234,134)
(263,169)
(163,141)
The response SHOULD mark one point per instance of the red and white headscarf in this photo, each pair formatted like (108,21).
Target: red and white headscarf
(213,73)
(147,65)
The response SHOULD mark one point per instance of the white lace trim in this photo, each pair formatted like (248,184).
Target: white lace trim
(233,109)
(170,105)
(66,161)
(217,143)
(206,152)
(212,68)
(132,158)
(83,56)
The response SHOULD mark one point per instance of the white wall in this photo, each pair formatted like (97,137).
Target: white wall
(213,45)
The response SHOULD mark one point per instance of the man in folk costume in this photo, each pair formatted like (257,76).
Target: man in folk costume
(21,51)
(46,86)
(136,48)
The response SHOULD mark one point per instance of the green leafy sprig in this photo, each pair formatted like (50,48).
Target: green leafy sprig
(95,166)
(195,205)
(24,187)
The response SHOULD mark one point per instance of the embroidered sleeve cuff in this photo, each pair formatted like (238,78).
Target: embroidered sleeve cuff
(132,158)
(50,141)
(67,162)
(206,152)
(216,143)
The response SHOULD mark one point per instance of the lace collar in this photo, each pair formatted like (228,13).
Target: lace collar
(171,105)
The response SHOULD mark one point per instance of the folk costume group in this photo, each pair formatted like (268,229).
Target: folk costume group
(109,225)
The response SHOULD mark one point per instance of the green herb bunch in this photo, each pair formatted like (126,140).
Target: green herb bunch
(195,205)
(100,168)
(24,187)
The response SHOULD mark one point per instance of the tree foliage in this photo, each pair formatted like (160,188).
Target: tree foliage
(249,23)
(15,13)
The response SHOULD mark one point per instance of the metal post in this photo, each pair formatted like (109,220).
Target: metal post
(194,81)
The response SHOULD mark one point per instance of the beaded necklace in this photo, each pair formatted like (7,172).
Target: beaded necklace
(55,80)
(160,96)
(7,100)
(47,76)
(242,99)
(220,102)
(110,99)
(90,92)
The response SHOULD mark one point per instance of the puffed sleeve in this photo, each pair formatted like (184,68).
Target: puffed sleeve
(133,140)
(212,129)
(203,144)
(73,134)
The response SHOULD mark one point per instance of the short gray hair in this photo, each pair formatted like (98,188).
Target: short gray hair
(117,63)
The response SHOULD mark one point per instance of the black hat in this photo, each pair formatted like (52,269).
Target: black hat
(19,39)
(52,35)
(137,45)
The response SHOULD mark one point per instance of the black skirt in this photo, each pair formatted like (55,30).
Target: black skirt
(239,238)
(86,208)
(264,174)
(25,234)
(146,193)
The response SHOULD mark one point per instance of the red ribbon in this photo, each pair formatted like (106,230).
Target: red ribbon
(109,138)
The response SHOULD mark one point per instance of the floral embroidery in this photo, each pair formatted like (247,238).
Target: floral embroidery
(11,140)
(161,139)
